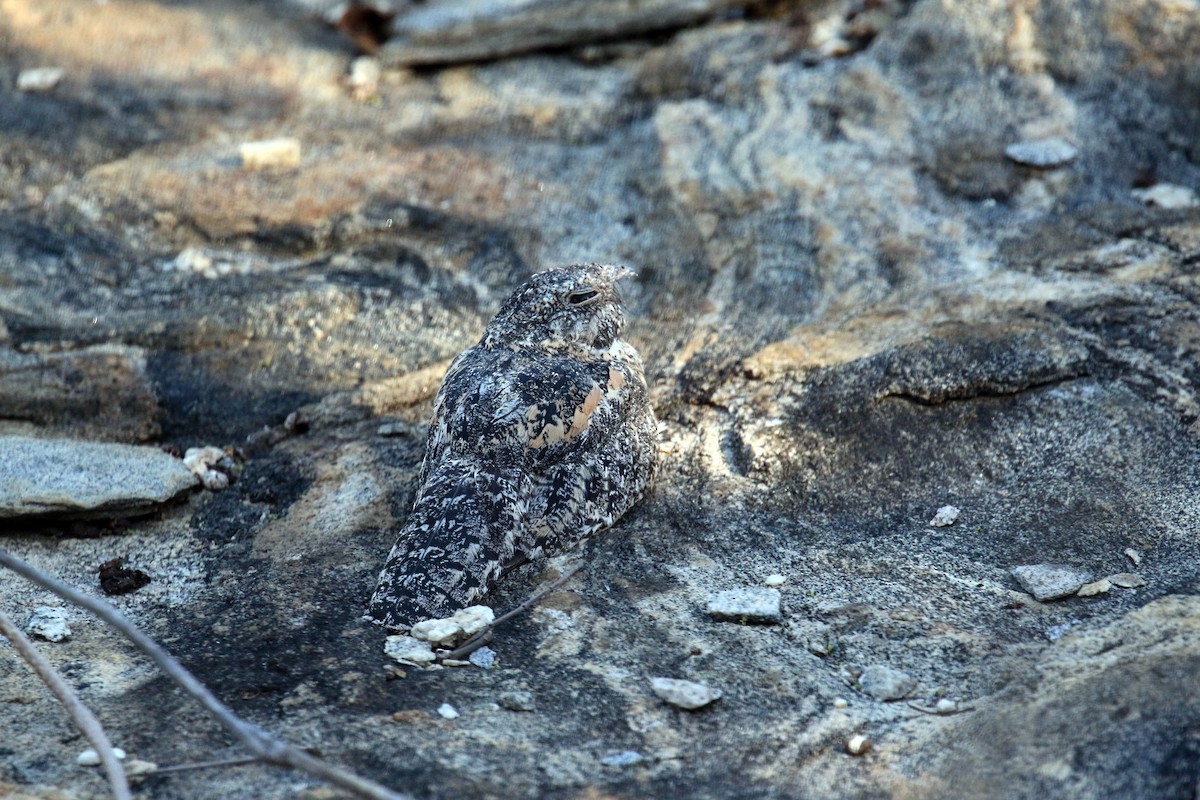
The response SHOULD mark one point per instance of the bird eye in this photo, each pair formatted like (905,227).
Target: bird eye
(582,297)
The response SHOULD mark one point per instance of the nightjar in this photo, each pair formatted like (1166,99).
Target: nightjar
(542,434)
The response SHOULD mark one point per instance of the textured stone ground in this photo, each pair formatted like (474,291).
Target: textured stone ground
(855,310)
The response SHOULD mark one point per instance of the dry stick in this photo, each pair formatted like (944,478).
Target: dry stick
(260,743)
(485,634)
(84,719)
(221,762)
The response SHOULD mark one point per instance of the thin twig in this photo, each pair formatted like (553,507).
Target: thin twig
(260,743)
(485,634)
(220,762)
(84,719)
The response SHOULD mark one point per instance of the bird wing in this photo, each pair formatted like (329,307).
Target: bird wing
(516,409)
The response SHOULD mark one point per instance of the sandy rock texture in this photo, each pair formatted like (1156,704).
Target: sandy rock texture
(856,304)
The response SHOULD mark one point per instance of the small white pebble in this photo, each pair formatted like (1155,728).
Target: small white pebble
(39,79)
(858,745)
(214,480)
(841,702)
(946,515)
(437,631)
(447,711)
(474,619)
(199,459)
(774,581)
(268,153)
(946,706)
(1134,556)
(90,758)
(1167,195)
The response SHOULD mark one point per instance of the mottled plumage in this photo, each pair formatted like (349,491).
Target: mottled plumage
(542,434)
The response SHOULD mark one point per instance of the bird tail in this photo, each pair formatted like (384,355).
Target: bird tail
(462,530)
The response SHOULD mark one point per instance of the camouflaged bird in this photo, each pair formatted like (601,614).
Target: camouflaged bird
(542,434)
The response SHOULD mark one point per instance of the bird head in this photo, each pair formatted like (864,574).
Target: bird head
(573,308)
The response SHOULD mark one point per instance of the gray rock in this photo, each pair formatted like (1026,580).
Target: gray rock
(625,758)
(517,700)
(885,683)
(73,478)
(484,658)
(684,694)
(441,33)
(1050,581)
(49,623)
(755,604)
(1044,153)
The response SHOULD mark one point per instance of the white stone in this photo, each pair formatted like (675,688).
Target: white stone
(199,459)
(280,153)
(841,702)
(473,619)
(1134,556)
(39,79)
(774,581)
(858,745)
(1044,153)
(190,259)
(687,695)
(49,623)
(214,480)
(946,515)
(408,650)
(90,758)
(437,631)
(1167,195)
(946,706)
(447,711)
(753,604)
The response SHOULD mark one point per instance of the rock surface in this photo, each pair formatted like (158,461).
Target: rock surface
(854,307)
(66,477)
